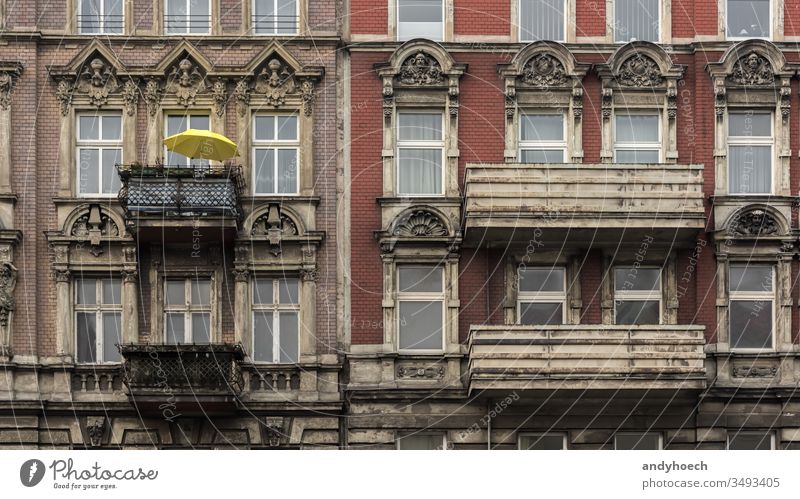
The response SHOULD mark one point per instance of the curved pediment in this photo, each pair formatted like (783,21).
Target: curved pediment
(420,221)
(751,63)
(544,64)
(757,221)
(640,64)
(421,64)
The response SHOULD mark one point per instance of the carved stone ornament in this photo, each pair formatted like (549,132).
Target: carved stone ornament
(309,97)
(752,69)
(64,96)
(219,94)
(8,281)
(92,227)
(7,79)
(97,80)
(185,82)
(275,81)
(544,70)
(639,71)
(152,95)
(95,430)
(275,226)
(241,93)
(755,371)
(420,69)
(420,223)
(130,95)
(272,433)
(754,223)
(420,372)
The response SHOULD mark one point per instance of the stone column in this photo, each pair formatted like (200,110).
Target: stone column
(64,343)
(241,331)
(308,307)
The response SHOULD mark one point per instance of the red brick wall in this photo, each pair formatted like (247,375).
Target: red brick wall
(682,18)
(369,17)
(590,17)
(791,18)
(591,278)
(478,17)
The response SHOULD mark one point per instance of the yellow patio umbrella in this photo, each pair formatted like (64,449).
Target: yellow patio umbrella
(202,144)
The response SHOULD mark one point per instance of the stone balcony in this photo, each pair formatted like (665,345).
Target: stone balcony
(586,357)
(602,203)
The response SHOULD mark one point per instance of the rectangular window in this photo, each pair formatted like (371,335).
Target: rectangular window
(100,17)
(748,19)
(275,153)
(187,310)
(542,296)
(99,150)
(420,19)
(637,295)
(191,17)
(751,311)
(422,441)
(637,441)
(177,123)
(636,20)
(751,440)
(276,305)
(420,152)
(541,138)
(542,20)
(275,17)
(420,301)
(750,144)
(637,138)
(543,441)
(98,320)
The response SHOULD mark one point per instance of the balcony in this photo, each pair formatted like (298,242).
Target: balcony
(179,203)
(603,203)
(186,379)
(586,357)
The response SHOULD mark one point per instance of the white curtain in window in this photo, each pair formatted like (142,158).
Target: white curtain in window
(541,20)
(636,20)
(750,169)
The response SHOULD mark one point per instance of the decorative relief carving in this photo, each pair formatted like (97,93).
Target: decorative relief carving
(95,430)
(420,372)
(241,275)
(754,223)
(639,71)
(7,79)
(97,81)
(8,281)
(720,100)
(606,102)
(752,69)
(309,97)
(220,96)
(275,226)
(129,275)
(130,95)
(64,96)
(420,69)
(61,275)
(309,274)
(152,96)
(275,81)
(755,371)
(420,223)
(185,81)
(85,227)
(544,70)
(242,95)
(272,433)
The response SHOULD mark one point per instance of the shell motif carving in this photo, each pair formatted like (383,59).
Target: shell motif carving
(420,223)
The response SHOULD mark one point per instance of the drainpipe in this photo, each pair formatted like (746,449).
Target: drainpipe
(488,425)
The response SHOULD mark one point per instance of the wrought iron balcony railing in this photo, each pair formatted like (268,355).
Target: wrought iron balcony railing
(275,24)
(187,23)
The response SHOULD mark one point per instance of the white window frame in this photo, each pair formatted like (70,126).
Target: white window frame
(658,433)
(733,38)
(614,23)
(432,434)
(730,433)
(276,22)
(99,309)
(189,308)
(201,163)
(543,296)
(406,296)
(637,146)
(187,18)
(101,30)
(639,295)
(752,141)
(275,145)
(420,144)
(563,435)
(753,296)
(528,40)
(397,24)
(275,308)
(537,145)
(100,145)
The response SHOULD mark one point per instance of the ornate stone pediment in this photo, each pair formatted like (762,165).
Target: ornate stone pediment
(277,82)
(9,74)
(185,80)
(8,281)
(754,223)
(420,69)
(544,70)
(97,80)
(94,226)
(420,223)
(274,226)
(752,69)
(639,71)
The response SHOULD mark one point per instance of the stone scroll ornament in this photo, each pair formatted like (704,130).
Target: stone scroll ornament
(8,281)
(639,71)
(544,70)
(752,69)
(420,70)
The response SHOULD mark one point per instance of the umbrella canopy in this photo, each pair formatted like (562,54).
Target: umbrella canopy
(202,144)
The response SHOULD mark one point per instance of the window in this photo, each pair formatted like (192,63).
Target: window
(637,295)
(187,310)
(275,17)
(542,138)
(751,440)
(188,17)
(420,151)
(420,295)
(637,441)
(98,320)
(636,20)
(100,16)
(542,20)
(422,441)
(99,151)
(750,152)
(275,146)
(543,441)
(637,138)
(541,296)
(420,19)
(748,19)
(750,308)
(275,324)
(177,123)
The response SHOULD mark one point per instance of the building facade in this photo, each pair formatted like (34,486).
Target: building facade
(560,224)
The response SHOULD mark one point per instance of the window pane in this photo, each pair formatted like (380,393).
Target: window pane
(749,440)
(176,123)
(265,127)
(421,442)
(89,171)
(89,127)
(751,323)
(175,294)
(201,328)
(90,16)
(287,127)
(201,291)
(542,156)
(111,158)
(541,442)
(548,127)
(636,128)
(748,19)
(87,337)
(287,16)
(419,126)
(288,337)
(637,312)
(287,171)
(199,21)
(175,327)
(750,278)
(262,337)
(264,21)
(636,20)
(637,156)
(750,169)
(199,121)
(542,279)
(421,325)
(112,290)
(637,279)
(419,19)
(112,327)
(420,171)
(288,291)
(541,314)
(636,441)
(420,279)
(750,124)
(262,291)
(541,20)
(265,170)
(112,127)
(86,291)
